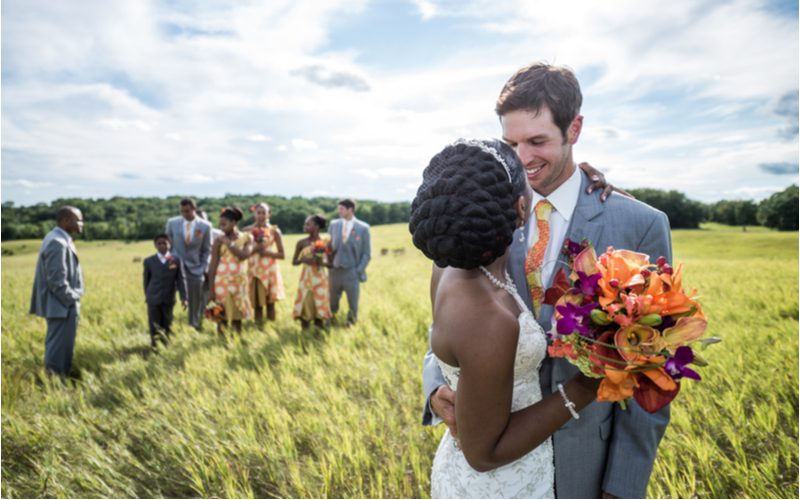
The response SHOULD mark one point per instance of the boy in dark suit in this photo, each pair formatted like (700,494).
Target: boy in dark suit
(163,274)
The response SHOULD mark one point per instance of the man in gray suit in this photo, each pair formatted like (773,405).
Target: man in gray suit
(57,290)
(351,253)
(191,243)
(608,452)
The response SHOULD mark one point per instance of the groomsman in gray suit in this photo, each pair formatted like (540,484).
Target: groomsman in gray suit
(351,253)
(609,451)
(191,243)
(57,290)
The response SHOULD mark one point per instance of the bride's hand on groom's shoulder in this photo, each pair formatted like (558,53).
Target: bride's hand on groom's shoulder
(599,182)
(443,403)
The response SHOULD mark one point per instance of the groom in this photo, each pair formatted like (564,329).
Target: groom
(608,452)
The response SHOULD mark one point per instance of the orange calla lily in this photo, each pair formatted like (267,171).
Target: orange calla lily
(685,330)
(634,339)
(585,262)
(661,378)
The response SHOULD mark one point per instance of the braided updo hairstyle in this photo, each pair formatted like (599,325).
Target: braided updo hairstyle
(233,214)
(463,215)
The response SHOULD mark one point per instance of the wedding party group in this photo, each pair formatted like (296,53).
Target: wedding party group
(227,275)
(511,226)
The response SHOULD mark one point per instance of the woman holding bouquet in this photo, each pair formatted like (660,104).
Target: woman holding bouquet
(266,283)
(313,299)
(473,197)
(227,273)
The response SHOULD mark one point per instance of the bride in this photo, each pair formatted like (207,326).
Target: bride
(487,343)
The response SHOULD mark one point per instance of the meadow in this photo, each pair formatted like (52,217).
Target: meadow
(282,413)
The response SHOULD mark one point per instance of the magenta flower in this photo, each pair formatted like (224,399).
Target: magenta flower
(575,318)
(587,285)
(676,366)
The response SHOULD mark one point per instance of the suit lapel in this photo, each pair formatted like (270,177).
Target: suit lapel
(585,223)
(516,264)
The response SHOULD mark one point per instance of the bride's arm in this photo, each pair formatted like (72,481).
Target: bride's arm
(489,434)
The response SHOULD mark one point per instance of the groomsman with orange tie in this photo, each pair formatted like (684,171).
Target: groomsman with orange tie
(350,243)
(191,243)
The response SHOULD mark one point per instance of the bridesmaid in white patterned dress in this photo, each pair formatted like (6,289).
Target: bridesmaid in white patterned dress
(473,197)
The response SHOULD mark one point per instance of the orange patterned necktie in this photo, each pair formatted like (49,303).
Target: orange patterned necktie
(533,262)
(188,238)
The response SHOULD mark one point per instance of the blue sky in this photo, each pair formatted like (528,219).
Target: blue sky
(352,98)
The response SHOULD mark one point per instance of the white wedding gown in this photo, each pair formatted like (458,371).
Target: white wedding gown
(531,476)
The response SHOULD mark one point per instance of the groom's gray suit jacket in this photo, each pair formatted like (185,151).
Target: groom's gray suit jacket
(608,449)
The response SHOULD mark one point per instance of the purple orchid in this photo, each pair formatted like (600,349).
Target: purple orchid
(575,318)
(676,366)
(666,322)
(586,284)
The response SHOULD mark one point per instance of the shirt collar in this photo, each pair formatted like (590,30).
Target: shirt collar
(565,198)
(64,233)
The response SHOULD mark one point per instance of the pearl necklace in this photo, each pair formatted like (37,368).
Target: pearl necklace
(507,286)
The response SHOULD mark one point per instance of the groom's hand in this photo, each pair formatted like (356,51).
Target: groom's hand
(599,182)
(443,403)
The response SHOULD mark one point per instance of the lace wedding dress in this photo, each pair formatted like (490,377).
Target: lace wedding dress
(531,476)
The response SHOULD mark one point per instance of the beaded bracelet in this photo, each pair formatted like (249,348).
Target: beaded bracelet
(567,403)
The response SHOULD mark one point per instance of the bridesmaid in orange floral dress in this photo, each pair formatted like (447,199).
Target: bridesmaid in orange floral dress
(313,299)
(265,283)
(227,273)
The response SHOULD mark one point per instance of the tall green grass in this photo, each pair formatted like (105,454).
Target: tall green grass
(281,413)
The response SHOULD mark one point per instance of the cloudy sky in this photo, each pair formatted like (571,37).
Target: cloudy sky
(353,97)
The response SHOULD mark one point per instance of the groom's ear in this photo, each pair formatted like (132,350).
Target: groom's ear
(574,129)
(522,211)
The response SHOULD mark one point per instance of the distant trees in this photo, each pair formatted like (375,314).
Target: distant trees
(141,218)
(779,211)
(734,212)
(682,212)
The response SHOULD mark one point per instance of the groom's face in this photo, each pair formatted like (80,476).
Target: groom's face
(543,150)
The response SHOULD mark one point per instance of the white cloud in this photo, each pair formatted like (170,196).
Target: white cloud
(304,145)
(380,173)
(25,183)
(682,96)
(258,138)
(427,9)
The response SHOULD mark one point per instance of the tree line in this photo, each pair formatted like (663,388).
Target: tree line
(138,218)
(779,211)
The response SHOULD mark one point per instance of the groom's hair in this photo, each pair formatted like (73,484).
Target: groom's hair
(541,84)
(463,215)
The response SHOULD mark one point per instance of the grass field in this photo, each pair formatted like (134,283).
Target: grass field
(282,414)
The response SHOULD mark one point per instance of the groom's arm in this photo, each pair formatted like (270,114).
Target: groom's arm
(637,433)
(432,378)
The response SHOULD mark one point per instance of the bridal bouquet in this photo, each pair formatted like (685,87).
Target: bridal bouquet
(320,250)
(214,311)
(258,234)
(628,321)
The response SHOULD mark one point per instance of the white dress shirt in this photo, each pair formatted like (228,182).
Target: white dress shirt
(163,258)
(347,227)
(191,224)
(564,200)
